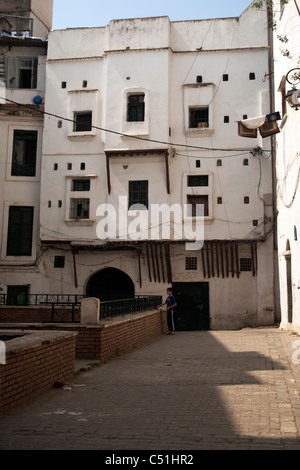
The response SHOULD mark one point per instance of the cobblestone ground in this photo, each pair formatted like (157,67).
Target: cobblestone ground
(192,391)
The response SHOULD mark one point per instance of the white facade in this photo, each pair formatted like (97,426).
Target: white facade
(192,81)
(287,167)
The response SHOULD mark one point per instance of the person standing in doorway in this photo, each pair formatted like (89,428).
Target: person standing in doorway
(171,304)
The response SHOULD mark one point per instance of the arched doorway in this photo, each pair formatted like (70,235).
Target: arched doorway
(110,284)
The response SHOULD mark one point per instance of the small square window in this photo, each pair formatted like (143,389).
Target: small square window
(80,209)
(246,162)
(84,83)
(198,117)
(225,77)
(219,163)
(82,166)
(252,76)
(69,166)
(220,200)
(59,262)
(199,79)
(198,163)
(83,122)
(64,84)
(191,263)
(226,119)
(246,200)
(245,264)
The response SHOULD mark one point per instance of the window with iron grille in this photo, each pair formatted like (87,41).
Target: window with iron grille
(193,201)
(138,193)
(81,185)
(198,117)
(20,230)
(79,208)
(18,295)
(59,262)
(136,107)
(83,122)
(191,263)
(245,264)
(24,153)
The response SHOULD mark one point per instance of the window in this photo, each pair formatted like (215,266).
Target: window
(138,193)
(20,228)
(197,180)
(24,153)
(198,117)
(245,264)
(22,72)
(136,108)
(59,262)
(191,263)
(17,295)
(81,185)
(79,208)
(193,201)
(83,122)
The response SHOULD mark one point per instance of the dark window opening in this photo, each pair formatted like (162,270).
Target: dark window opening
(138,193)
(198,180)
(193,201)
(252,76)
(20,229)
(83,122)
(18,295)
(59,262)
(80,209)
(81,185)
(245,264)
(225,77)
(24,153)
(198,117)
(136,108)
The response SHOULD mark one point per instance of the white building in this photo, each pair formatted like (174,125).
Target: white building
(288,161)
(24,27)
(148,111)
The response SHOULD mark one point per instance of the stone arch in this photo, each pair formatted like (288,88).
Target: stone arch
(110,284)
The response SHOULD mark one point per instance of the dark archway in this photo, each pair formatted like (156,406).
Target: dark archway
(110,284)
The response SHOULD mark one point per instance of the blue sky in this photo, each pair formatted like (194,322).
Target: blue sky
(90,13)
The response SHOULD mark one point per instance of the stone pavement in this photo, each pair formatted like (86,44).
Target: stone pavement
(196,390)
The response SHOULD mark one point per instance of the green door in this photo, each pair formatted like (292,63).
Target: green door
(192,311)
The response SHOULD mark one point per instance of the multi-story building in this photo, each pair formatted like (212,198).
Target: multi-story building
(168,116)
(287,96)
(24,27)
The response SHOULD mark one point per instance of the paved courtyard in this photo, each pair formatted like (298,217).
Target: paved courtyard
(192,391)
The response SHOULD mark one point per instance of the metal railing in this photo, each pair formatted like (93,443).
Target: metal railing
(108,309)
(118,308)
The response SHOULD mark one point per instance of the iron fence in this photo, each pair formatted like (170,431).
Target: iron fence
(117,308)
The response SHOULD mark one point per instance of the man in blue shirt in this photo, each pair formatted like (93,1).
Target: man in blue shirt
(171,304)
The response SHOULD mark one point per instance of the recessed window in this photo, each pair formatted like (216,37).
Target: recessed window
(64,84)
(24,153)
(219,162)
(22,72)
(81,185)
(219,200)
(197,180)
(198,163)
(84,83)
(59,203)
(138,193)
(83,122)
(82,166)
(79,208)
(198,117)
(191,263)
(55,166)
(246,162)
(225,77)
(252,76)
(59,262)
(193,201)
(226,119)
(20,230)
(69,166)
(246,200)
(18,295)
(245,264)
(136,108)
(199,79)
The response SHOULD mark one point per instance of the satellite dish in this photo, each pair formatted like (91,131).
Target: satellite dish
(37,99)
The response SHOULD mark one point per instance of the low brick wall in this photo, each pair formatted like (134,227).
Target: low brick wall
(34,362)
(37,314)
(111,337)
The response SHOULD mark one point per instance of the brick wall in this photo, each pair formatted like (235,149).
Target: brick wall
(34,363)
(37,314)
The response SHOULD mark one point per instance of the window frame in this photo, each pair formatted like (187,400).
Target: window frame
(74,202)
(16,232)
(77,125)
(142,198)
(140,111)
(29,170)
